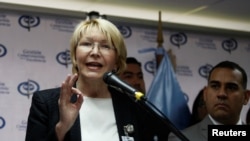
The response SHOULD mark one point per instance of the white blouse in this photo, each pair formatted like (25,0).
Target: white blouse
(98,120)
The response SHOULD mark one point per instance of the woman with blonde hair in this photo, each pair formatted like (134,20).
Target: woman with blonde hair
(85,107)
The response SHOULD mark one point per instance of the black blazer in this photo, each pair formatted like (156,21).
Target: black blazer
(44,114)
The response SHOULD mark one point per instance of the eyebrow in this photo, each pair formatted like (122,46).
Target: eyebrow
(213,81)
(101,41)
(217,82)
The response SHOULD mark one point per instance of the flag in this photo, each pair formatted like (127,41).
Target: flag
(166,94)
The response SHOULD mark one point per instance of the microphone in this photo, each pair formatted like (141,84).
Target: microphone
(111,79)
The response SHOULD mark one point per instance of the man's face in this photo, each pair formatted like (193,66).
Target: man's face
(224,96)
(133,75)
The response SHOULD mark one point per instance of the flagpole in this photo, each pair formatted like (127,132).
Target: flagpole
(172,58)
(160,40)
(159,53)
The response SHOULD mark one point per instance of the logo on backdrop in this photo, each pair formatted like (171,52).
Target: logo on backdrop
(2,122)
(63,58)
(32,56)
(150,66)
(206,43)
(3,88)
(28,22)
(204,70)
(229,45)
(4,20)
(22,126)
(3,50)
(63,25)
(27,88)
(178,39)
(125,31)
(184,70)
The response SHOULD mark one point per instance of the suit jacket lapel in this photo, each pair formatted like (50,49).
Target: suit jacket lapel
(204,126)
(123,112)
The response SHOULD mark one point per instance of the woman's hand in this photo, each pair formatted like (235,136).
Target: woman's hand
(67,109)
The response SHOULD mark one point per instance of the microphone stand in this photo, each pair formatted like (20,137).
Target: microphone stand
(112,80)
(146,105)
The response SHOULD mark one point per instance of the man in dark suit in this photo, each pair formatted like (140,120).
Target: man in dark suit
(225,95)
(133,74)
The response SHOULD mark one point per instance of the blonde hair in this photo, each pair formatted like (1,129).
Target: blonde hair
(110,31)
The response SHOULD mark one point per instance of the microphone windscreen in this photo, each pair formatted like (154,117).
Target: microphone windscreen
(106,77)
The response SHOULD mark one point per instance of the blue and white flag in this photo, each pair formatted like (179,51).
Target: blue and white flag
(166,94)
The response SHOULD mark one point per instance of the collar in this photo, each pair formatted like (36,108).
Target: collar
(218,123)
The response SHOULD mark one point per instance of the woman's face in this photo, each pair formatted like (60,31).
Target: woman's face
(95,55)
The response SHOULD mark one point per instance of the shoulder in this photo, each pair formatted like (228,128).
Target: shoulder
(198,131)
(192,129)
(202,125)
(46,95)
